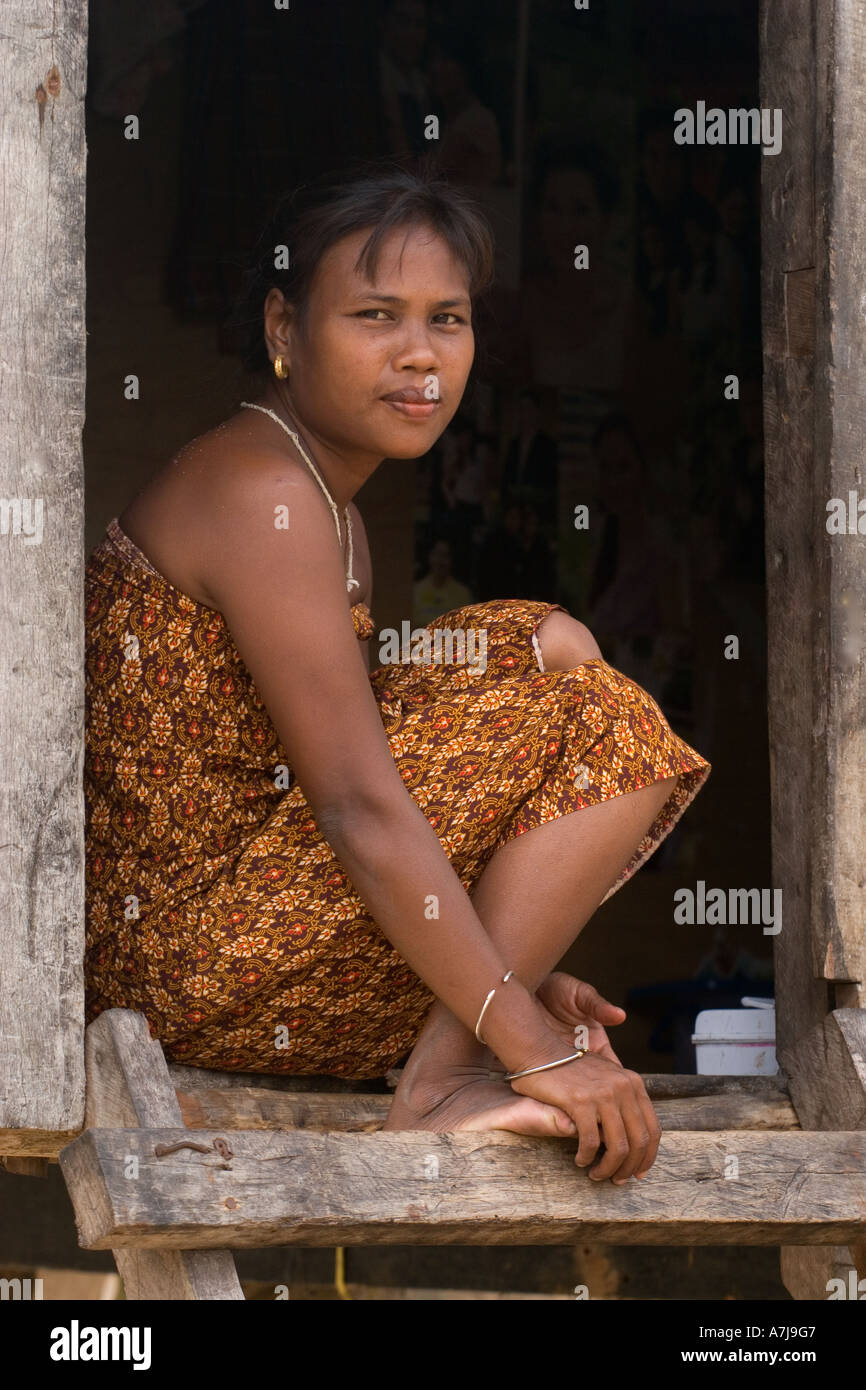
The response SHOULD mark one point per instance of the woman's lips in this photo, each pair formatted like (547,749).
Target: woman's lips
(415,405)
(413,410)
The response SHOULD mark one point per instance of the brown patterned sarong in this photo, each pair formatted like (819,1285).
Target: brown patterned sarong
(216,907)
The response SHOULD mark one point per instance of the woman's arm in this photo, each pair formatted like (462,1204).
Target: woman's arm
(283,595)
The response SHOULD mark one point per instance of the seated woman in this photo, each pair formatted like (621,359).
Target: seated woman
(294,864)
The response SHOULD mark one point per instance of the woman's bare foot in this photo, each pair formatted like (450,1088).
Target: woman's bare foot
(465,1098)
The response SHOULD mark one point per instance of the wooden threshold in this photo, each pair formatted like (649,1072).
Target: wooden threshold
(325,1189)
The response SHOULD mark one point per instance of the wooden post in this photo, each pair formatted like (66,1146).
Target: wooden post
(42,376)
(128,1085)
(838,801)
(813,68)
(814,249)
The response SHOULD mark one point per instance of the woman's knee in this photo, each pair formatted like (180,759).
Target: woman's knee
(565,642)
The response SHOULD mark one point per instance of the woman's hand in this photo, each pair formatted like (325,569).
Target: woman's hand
(610,1107)
(568,1003)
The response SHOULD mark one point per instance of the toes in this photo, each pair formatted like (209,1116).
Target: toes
(564,1123)
(541,1119)
(524,1116)
(556,1121)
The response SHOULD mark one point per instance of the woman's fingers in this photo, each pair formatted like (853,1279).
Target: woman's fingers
(589,1035)
(594,1004)
(585,1118)
(654,1129)
(610,1107)
(556,994)
(635,1132)
(569,998)
(616,1143)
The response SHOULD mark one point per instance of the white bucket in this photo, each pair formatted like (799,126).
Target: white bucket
(737,1042)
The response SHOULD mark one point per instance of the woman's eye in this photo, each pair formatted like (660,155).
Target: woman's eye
(453,318)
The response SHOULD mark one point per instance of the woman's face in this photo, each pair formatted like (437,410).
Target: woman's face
(363,341)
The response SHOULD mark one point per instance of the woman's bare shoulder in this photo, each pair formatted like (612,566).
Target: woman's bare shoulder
(236,466)
(206,494)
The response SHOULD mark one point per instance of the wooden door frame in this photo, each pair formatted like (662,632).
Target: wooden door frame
(43,75)
(813,68)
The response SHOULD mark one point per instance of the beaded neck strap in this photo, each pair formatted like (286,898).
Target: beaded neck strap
(351,582)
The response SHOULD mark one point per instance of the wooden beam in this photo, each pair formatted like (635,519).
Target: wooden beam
(128,1084)
(390,1293)
(826,1071)
(813,67)
(838,797)
(792,520)
(667,1085)
(808,1270)
(681,1102)
(26,1167)
(191,1079)
(42,378)
(301,1188)
(250,1108)
(36,1143)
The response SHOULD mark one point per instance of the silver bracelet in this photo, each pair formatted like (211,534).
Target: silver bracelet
(513,1075)
(505,979)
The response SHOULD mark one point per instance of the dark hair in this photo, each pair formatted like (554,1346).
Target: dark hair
(314,216)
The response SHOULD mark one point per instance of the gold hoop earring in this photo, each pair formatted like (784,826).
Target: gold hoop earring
(280,368)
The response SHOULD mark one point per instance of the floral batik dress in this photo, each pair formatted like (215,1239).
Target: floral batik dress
(216,907)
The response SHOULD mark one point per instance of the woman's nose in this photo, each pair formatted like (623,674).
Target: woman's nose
(418,350)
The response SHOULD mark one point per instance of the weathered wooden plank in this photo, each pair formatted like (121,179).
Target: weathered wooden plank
(42,378)
(26,1167)
(791,508)
(670,1085)
(80,1285)
(827,1077)
(128,1084)
(800,312)
(190,1079)
(827,1072)
(787,83)
(838,793)
(388,1293)
(302,1188)
(789,250)
(813,60)
(673,1086)
(808,1270)
(35,1143)
(241,1107)
(249,1108)
(744,1102)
